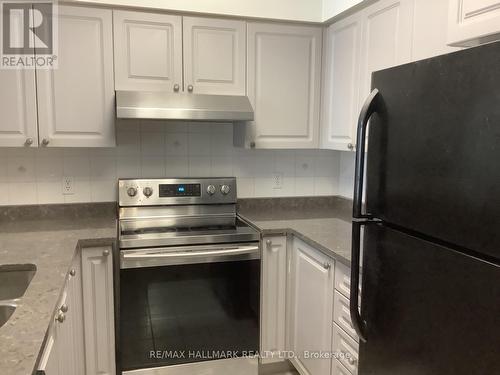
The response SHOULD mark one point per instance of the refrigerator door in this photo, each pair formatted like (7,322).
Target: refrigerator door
(433,162)
(429,310)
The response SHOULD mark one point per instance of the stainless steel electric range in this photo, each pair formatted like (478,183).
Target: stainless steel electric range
(189,279)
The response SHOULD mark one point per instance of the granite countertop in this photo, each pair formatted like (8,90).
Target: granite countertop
(50,244)
(324,223)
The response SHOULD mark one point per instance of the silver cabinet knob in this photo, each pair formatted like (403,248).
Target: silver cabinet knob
(176,87)
(327,265)
(269,243)
(132,191)
(252,144)
(45,142)
(72,272)
(29,141)
(190,88)
(105,253)
(225,189)
(210,189)
(350,146)
(61,317)
(351,360)
(147,191)
(64,308)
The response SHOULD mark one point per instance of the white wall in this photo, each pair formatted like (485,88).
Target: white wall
(331,8)
(346,174)
(300,10)
(152,149)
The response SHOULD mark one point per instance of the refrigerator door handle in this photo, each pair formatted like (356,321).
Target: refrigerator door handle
(369,108)
(360,219)
(357,322)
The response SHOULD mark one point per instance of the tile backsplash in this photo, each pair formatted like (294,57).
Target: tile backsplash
(167,149)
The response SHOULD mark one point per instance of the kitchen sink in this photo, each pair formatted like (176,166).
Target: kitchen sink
(6,312)
(14,280)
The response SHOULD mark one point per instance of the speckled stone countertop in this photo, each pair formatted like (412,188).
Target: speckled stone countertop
(50,244)
(323,222)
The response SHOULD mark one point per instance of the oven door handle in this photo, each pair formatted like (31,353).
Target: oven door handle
(195,255)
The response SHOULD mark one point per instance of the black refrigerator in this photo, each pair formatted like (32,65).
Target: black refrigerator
(430,277)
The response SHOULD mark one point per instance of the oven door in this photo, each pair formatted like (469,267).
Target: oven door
(189,304)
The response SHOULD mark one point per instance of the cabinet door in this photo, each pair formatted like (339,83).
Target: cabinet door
(312,307)
(18,125)
(283,78)
(148,51)
(273,298)
(386,39)
(214,56)
(76,100)
(472,22)
(340,105)
(98,310)
(75,315)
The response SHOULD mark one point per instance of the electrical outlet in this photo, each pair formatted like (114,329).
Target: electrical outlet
(278,180)
(68,185)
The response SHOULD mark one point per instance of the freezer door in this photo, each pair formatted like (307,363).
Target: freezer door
(429,310)
(434,148)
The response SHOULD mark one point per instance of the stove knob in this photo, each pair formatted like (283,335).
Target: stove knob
(148,191)
(211,189)
(132,191)
(225,189)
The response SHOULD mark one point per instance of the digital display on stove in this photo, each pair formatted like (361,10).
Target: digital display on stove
(180,190)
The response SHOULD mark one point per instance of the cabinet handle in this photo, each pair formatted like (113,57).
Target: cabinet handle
(45,142)
(72,272)
(176,87)
(252,144)
(351,360)
(190,88)
(269,243)
(29,141)
(61,317)
(105,253)
(350,146)
(327,265)
(64,308)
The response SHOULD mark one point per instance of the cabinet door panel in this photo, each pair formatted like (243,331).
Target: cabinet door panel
(209,72)
(98,310)
(471,22)
(386,39)
(18,108)
(312,306)
(274,256)
(341,68)
(76,100)
(148,51)
(283,77)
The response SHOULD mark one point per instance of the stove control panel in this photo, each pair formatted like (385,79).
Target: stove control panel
(156,192)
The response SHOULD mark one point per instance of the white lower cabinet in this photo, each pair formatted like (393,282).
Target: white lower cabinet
(312,286)
(346,348)
(98,310)
(80,338)
(274,261)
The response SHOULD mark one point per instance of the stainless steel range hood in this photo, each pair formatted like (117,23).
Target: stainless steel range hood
(177,106)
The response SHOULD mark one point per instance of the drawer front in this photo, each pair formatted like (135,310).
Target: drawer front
(342,316)
(343,279)
(339,369)
(346,348)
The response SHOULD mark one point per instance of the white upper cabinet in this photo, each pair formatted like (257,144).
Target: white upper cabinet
(18,123)
(148,51)
(386,39)
(312,289)
(283,85)
(472,22)
(76,100)
(214,56)
(340,103)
